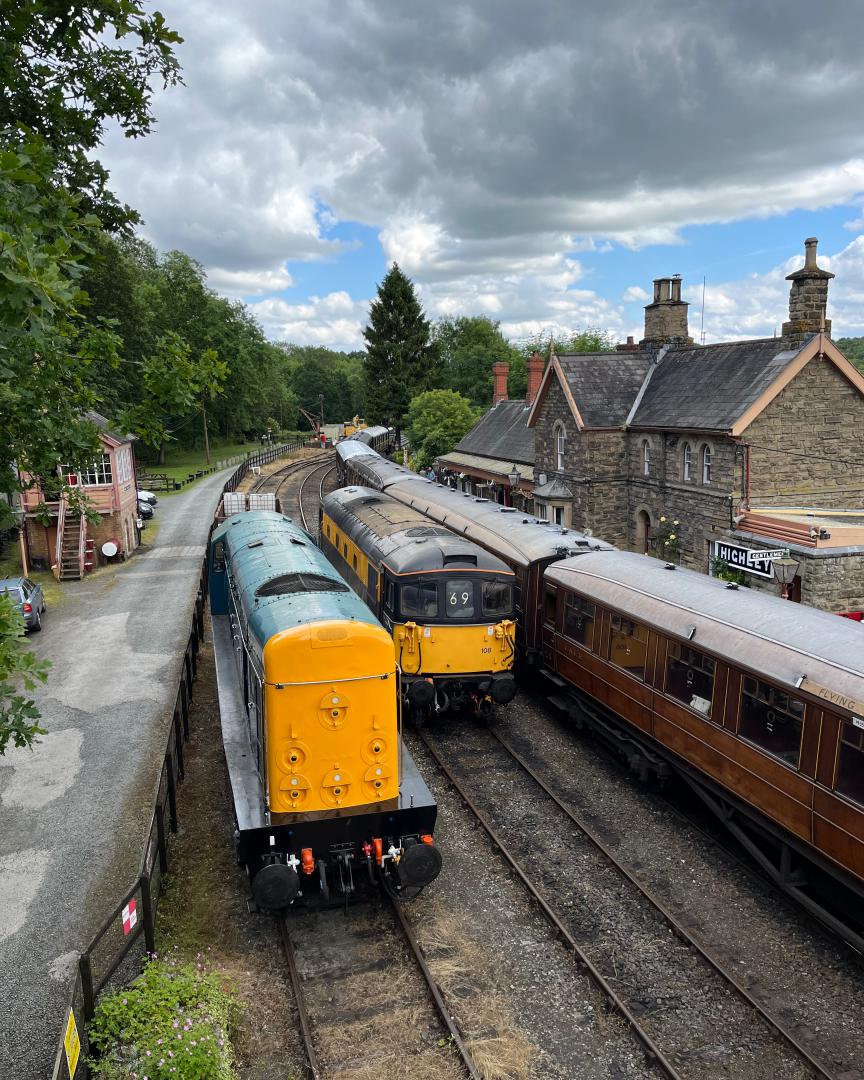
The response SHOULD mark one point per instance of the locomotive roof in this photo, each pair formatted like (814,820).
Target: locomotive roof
(403,537)
(765,634)
(515,536)
(371,433)
(281,578)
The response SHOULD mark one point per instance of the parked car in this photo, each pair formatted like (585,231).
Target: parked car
(145,510)
(27,597)
(148,497)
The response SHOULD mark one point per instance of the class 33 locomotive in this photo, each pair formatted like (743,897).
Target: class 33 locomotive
(326,797)
(447,602)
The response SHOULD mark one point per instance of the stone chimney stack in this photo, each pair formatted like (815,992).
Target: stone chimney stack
(666,316)
(535,365)
(808,299)
(500,371)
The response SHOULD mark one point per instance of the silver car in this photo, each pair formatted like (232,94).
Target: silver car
(27,597)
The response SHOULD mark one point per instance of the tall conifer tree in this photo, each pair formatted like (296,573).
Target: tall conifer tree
(401,360)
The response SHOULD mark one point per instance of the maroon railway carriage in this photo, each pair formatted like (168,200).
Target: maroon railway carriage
(757,702)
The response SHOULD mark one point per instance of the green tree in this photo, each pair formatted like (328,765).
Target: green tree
(68,68)
(853,349)
(469,345)
(401,361)
(437,420)
(589,340)
(18,667)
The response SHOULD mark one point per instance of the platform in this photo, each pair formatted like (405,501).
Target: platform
(75,811)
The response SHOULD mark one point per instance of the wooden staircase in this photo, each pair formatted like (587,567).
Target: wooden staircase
(71,546)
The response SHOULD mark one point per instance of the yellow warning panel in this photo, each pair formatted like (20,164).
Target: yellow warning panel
(72,1044)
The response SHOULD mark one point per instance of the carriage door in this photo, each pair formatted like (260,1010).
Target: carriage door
(550,621)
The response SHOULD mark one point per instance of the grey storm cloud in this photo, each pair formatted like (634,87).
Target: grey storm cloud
(508,128)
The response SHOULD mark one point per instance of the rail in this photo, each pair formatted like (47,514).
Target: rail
(58,541)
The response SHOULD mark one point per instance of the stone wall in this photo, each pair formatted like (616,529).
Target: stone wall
(799,440)
(595,469)
(701,509)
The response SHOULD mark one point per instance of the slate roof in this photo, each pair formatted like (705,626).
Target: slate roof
(604,385)
(502,432)
(709,386)
(104,426)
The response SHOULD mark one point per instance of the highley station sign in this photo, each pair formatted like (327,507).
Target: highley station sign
(759,563)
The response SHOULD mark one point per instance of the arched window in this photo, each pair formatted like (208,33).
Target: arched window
(560,446)
(646,458)
(687,463)
(706,464)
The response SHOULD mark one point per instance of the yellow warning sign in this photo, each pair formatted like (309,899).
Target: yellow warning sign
(72,1044)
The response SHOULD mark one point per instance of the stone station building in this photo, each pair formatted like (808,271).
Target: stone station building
(746,446)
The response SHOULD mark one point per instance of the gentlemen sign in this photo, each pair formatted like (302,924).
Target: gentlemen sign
(753,562)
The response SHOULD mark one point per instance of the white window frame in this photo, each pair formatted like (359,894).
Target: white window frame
(706,464)
(646,459)
(560,446)
(123,457)
(687,470)
(98,474)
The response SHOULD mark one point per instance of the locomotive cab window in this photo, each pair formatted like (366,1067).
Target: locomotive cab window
(459,597)
(772,720)
(579,620)
(497,599)
(850,762)
(628,645)
(690,677)
(419,600)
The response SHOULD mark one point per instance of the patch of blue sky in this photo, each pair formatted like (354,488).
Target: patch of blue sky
(721,253)
(357,269)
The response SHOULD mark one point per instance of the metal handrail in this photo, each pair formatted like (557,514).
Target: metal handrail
(58,543)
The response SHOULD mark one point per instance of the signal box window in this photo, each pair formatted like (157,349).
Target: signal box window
(628,646)
(850,764)
(459,595)
(497,598)
(420,600)
(579,620)
(690,677)
(772,720)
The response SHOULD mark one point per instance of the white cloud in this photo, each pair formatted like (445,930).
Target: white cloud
(637,293)
(488,150)
(334,320)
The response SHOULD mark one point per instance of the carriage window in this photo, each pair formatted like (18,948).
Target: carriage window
(771,719)
(550,602)
(850,764)
(690,677)
(390,596)
(497,598)
(579,620)
(628,645)
(421,599)
(459,593)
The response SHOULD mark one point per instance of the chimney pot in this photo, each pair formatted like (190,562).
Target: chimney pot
(810,245)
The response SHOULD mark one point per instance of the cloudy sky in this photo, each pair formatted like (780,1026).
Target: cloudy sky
(538,162)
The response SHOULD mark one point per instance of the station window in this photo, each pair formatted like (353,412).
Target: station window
(628,645)
(498,598)
(850,763)
(771,719)
(459,593)
(690,677)
(420,600)
(579,620)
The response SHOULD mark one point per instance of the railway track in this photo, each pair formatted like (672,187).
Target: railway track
(310,524)
(663,1004)
(362,1011)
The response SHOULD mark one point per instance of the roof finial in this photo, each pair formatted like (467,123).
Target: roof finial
(551,344)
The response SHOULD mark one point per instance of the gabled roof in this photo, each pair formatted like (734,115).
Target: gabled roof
(725,387)
(600,387)
(105,431)
(502,432)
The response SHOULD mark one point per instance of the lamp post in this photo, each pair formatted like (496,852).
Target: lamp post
(785,568)
(514,478)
